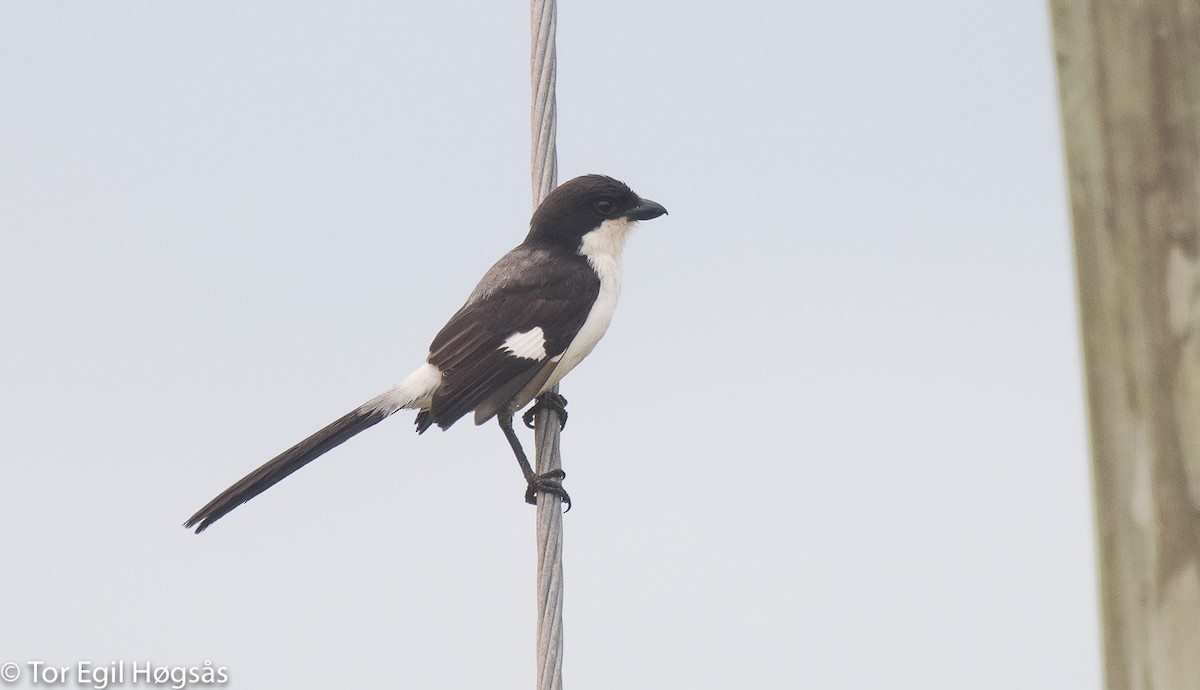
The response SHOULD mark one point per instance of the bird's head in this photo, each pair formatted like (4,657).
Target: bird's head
(585,204)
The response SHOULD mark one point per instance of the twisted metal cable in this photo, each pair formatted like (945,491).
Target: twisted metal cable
(549,555)
(544,172)
(543,17)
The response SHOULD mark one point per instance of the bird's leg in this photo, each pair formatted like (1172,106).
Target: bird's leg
(549,482)
(549,400)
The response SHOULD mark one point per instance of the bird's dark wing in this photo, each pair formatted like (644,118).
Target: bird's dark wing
(527,289)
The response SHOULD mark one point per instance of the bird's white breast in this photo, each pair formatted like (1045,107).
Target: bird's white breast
(602,247)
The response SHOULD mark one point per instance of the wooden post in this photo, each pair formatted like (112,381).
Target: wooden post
(1129,88)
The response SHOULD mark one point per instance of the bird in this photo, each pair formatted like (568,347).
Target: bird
(534,315)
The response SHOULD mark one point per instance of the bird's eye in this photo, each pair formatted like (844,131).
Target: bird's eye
(604,207)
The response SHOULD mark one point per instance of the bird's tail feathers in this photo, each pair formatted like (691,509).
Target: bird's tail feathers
(415,391)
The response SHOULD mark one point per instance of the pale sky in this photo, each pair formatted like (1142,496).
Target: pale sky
(834,438)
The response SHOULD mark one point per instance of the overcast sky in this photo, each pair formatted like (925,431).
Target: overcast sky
(834,438)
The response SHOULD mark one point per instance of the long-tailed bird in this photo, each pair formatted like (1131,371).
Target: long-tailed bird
(533,316)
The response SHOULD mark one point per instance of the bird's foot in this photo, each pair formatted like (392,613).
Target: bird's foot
(549,400)
(550,483)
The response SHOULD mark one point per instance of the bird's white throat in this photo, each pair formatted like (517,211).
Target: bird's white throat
(606,241)
(602,247)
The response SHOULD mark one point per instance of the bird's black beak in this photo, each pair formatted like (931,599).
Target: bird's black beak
(645,210)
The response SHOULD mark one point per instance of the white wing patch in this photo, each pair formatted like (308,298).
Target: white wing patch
(528,345)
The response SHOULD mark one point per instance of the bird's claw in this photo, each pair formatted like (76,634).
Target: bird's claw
(549,400)
(550,483)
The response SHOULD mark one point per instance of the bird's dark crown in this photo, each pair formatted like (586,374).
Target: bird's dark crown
(577,207)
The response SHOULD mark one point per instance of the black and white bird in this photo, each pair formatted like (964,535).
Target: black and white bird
(531,319)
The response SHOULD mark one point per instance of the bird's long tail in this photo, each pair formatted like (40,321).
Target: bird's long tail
(414,391)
